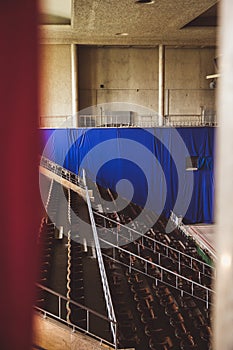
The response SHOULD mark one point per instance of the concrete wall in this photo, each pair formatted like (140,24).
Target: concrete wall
(56,86)
(118,74)
(185,80)
(131,75)
(127,74)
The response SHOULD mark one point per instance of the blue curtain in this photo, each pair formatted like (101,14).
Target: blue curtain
(145,165)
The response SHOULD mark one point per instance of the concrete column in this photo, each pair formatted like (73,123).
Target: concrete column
(161,93)
(74,79)
(223,315)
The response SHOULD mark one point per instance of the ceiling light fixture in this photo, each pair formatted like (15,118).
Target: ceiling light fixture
(148,2)
(121,34)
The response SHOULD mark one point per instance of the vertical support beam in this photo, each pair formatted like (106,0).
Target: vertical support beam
(161,83)
(74,79)
(223,320)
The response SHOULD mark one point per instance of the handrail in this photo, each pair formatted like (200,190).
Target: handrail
(174,218)
(139,247)
(138,233)
(207,300)
(89,312)
(163,269)
(103,275)
(152,120)
(153,240)
(86,308)
(60,171)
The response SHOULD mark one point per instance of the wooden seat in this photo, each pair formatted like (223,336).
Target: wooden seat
(180,330)
(187,343)
(171,309)
(148,315)
(176,319)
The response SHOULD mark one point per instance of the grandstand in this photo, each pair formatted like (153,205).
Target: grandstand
(123,109)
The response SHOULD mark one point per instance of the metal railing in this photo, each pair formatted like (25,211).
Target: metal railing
(178,278)
(159,248)
(109,121)
(91,316)
(134,234)
(196,289)
(189,120)
(60,171)
(179,224)
(107,294)
(170,120)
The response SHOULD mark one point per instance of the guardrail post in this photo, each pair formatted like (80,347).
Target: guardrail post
(88,320)
(179,267)
(59,307)
(207,298)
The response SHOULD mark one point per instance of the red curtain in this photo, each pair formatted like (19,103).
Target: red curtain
(19,195)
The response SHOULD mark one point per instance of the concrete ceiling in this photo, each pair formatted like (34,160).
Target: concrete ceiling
(96,22)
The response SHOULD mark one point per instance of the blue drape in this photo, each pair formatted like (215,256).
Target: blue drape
(151,160)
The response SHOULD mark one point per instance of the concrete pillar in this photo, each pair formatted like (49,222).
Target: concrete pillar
(223,311)
(74,79)
(161,93)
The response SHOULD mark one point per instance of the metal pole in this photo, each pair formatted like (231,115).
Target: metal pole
(161,83)
(59,307)
(223,320)
(88,320)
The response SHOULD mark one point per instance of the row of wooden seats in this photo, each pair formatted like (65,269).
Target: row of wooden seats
(154,322)
(127,335)
(45,243)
